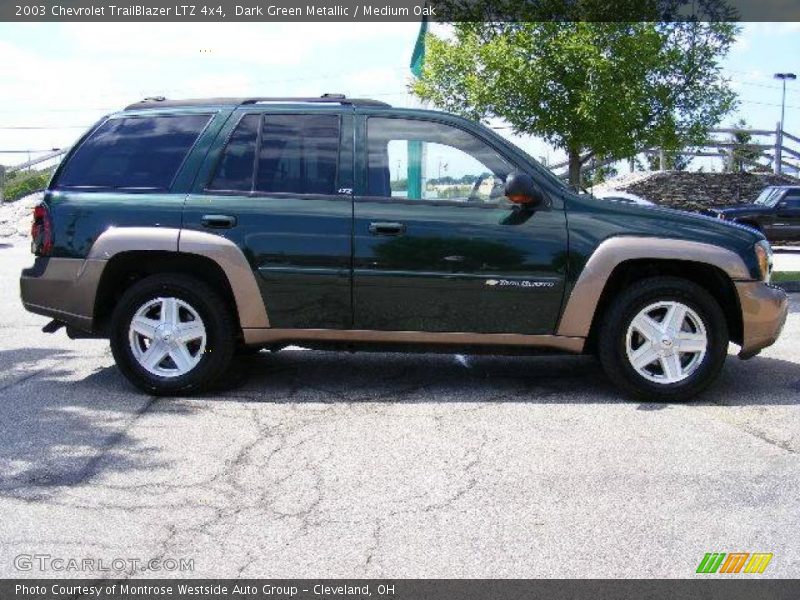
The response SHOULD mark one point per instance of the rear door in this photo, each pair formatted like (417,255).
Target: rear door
(437,247)
(278,184)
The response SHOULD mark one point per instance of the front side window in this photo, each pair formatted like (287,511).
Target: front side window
(424,160)
(133,153)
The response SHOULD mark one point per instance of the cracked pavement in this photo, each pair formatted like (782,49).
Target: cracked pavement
(315,464)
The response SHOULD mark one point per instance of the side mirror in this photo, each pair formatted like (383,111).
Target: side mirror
(521,189)
(783,204)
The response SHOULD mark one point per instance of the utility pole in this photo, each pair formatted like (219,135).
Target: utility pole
(779,133)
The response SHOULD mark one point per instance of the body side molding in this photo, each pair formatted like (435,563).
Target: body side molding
(578,314)
(268,336)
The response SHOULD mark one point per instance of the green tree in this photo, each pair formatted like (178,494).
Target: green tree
(743,153)
(673,159)
(595,175)
(589,88)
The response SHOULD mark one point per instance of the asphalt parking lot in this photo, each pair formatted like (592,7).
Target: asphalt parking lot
(388,465)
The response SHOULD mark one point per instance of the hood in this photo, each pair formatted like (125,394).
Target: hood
(737,210)
(667,222)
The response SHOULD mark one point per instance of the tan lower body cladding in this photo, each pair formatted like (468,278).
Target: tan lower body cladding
(284,336)
(578,314)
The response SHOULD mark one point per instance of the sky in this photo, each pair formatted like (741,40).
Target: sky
(56,79)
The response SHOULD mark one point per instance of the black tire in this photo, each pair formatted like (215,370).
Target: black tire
(242,350)
(622,311)
(217,317)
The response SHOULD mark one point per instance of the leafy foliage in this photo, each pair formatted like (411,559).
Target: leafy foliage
(589,88)
(742,155)
(22,184)
(675,161)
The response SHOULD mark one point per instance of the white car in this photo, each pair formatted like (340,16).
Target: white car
(626,197)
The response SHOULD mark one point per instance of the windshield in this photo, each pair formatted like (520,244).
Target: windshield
(768,197)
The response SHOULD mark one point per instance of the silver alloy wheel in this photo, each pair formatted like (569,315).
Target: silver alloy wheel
(167,337)
(666,342)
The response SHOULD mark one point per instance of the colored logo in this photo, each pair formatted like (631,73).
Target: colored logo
(734,562)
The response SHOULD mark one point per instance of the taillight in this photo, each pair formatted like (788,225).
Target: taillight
(41,231)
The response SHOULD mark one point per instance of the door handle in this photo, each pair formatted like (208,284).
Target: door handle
(387,228)
(218,221)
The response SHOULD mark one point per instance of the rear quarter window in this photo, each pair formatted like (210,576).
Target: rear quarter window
(133,153)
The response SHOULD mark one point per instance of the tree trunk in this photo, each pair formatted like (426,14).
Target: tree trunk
(575,168)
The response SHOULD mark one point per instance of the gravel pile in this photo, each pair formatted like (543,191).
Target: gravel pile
(694,191)
(15,217)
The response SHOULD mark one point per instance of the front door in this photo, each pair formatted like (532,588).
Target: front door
(280,189)
(437,247)
(786,225)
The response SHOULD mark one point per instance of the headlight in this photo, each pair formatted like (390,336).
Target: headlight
(764,257)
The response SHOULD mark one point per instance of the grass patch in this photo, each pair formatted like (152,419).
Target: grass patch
(786,276)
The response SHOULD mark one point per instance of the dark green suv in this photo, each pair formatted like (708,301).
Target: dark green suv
(188,231)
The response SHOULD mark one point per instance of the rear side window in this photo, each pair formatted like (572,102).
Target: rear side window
(235,168)
(288,153)
(298,154)
(133,153)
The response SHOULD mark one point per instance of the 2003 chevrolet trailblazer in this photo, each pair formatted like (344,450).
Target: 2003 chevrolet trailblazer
(187,230)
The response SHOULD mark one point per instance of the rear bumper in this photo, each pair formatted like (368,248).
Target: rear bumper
(764,311)
(63,289)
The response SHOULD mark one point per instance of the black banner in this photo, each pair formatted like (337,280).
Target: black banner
(397,10)
(399,589)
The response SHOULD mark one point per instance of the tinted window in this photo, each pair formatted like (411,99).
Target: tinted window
(133,152)
(424,160)
(792,199)
(235,168)
(298,154)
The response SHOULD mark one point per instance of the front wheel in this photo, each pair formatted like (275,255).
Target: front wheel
(663,339)
(172,334)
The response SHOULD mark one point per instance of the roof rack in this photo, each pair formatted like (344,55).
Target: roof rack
(325,98)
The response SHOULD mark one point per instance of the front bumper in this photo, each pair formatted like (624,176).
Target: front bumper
(63,289)
(764,311)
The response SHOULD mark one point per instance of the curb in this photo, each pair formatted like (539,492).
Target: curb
(788,286)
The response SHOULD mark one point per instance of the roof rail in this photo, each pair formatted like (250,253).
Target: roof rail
(159,101)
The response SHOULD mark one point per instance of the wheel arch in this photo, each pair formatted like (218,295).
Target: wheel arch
(712,279)
(211,258)
(619,261)
(126,268)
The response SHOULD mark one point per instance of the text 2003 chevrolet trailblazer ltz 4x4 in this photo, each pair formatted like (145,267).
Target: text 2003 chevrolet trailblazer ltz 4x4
(186,231)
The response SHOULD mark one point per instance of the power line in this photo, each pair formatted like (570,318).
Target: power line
(29,151)
(46,127)
(767,103)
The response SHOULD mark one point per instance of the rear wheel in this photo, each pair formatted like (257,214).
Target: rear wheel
(663,339)
(172,334)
